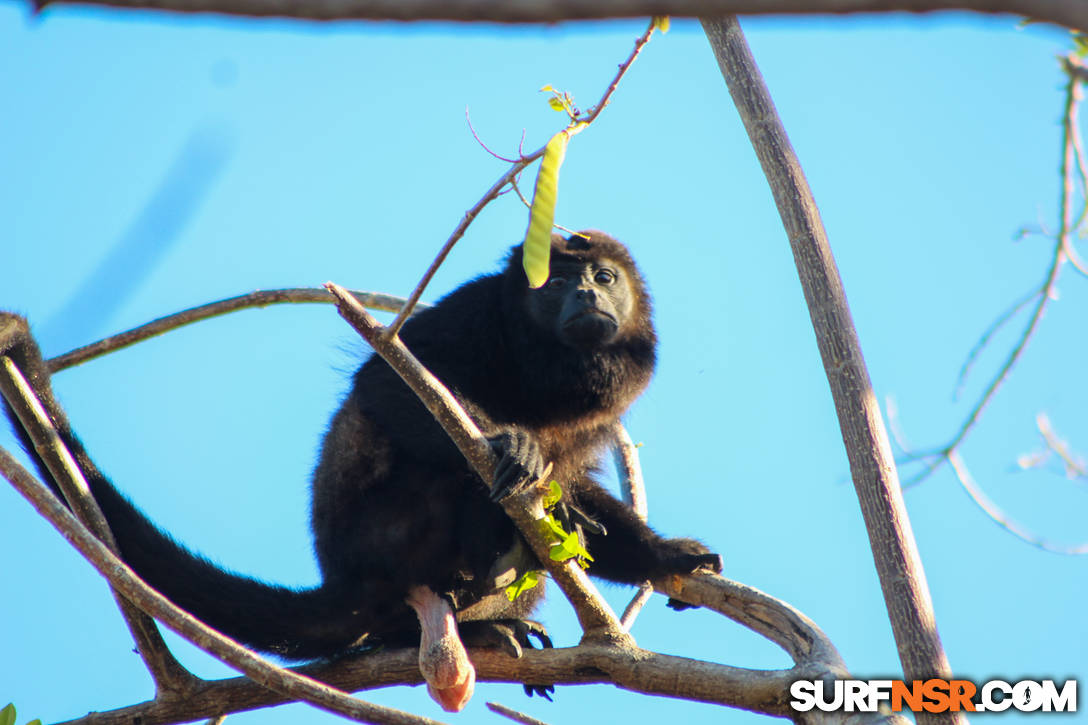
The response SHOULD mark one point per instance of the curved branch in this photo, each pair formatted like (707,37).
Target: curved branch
(259,298)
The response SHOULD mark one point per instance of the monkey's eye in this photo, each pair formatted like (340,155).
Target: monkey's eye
(604,276)
(556,282)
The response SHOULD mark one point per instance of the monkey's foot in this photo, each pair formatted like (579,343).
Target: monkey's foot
(443,661)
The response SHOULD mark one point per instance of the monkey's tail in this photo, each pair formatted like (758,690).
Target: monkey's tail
(295,624)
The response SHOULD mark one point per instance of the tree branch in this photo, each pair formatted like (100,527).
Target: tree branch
(1070,13)
(897,561)
(290,684)
(170,678)
(259,298)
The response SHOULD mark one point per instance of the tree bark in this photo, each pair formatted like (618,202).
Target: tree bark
(876,482)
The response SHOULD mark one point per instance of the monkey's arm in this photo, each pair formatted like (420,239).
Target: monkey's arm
(630,551)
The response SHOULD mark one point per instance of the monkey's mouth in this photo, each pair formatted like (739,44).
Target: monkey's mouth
(591,312)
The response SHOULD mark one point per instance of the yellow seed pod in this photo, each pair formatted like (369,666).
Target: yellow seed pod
(538,240)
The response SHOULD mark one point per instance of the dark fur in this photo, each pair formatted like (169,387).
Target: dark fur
(394,503)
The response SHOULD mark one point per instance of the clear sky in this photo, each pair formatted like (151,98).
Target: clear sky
(154,162)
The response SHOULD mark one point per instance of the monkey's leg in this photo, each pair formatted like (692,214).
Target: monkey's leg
(443,661)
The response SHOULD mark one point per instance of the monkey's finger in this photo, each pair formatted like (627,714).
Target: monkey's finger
(541,690)
(578,516)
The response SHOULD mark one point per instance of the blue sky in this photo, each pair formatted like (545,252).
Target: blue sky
(155,162)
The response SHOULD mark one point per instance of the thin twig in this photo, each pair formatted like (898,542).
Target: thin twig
(984,340)
(513,714)
(516,167)
(630,613)
(259,298)
(121,577)
(963,475)
(633,489)
(1074,465)
(1046,290)
(529,205)
(484,146)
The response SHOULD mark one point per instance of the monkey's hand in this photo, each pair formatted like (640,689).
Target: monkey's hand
(512,637)
(689,556)
(520,463)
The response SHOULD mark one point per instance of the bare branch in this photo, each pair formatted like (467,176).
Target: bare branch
(1070,13)
(625,458)
(285,682)
(513,714)
(627,619)
(963,475)
(1046,290)
(633,488)
(259,298)
(1075,466)
(897,561)
(984,340)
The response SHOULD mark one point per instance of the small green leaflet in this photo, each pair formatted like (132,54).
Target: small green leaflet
(564,545)
(552,497)
(1080,43)
(525,582)
(569,548)
(560,101)
(7,716)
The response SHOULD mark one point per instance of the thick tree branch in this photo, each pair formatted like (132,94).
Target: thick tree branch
(898,564)
(1070,13)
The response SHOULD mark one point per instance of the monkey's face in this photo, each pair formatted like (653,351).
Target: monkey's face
(585,304)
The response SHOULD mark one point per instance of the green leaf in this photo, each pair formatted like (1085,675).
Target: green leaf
(35,721)
(569,548)
(552,528)
(525,582)
(557,104)
(1080,44)
(7,715)
(554,494)
(537,248)
(661,22)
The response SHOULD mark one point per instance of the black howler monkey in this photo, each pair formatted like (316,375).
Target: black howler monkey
(396,510)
